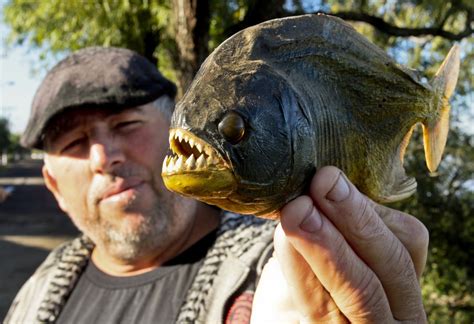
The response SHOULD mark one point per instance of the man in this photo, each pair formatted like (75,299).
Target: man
(148,255)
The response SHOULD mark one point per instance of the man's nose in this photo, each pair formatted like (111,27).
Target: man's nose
(105,155)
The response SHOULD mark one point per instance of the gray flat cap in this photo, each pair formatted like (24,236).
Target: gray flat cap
(106,78)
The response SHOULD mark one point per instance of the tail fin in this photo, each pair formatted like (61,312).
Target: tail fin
(435,129)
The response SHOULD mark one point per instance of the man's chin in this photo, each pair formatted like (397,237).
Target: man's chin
(128,241)
(117,211)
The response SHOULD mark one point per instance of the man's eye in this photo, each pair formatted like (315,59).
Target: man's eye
(128,124)
(73,144)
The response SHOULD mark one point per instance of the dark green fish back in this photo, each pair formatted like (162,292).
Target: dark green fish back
(311,91)
(361,102)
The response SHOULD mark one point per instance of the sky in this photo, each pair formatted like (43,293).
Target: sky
(18,83)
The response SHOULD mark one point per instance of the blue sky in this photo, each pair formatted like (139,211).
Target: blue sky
(18,83)
(17,87)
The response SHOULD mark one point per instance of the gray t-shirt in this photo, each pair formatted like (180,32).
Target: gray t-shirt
(152,297)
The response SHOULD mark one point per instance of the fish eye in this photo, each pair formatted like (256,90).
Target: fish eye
(232,127)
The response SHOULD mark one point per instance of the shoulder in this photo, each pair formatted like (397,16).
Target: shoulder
(230,264)
(69,252)
(246,238)
(28,301)
(236,223)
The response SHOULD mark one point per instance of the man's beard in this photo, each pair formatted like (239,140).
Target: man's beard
(131,243)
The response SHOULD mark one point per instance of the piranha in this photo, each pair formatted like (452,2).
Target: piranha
(277,101)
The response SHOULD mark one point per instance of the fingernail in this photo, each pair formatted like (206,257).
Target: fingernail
(340,190)
(312,222)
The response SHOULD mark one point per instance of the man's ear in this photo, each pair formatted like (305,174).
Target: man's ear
(52,185)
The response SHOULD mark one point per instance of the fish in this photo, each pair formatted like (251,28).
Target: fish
(277,101)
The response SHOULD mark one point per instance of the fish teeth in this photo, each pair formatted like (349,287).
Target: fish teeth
(179,164)
(170,166)
(190,162)
(179,135)
(163,166)
(191,142)
(201,162)
(204,155)
(199,147)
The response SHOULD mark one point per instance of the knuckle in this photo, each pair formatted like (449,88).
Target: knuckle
(400,265)
(417,231)
(365,225)
(340,253)
(366,302)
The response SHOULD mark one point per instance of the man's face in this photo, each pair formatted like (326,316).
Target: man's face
(105,172)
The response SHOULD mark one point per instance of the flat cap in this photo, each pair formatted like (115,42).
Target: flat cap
(106,78)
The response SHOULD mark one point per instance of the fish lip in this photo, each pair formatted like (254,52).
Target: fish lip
(191,154)
(119,186)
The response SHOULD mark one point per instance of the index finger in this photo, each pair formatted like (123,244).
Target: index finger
(355,217)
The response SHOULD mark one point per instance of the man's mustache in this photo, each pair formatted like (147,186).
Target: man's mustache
(116,181)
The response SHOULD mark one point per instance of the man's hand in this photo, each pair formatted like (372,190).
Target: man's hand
(340,257)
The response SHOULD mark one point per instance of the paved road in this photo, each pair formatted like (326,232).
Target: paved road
(31,225)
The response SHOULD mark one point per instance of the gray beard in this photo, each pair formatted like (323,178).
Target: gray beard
(131,246)
(153,233)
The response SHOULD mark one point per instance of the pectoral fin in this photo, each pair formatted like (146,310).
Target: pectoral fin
(404,189)
(404,143)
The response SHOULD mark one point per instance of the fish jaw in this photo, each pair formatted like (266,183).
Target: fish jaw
(196,169)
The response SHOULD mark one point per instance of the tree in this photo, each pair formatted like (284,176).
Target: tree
(4,135)
(178,35)
(58,26)
(444,203)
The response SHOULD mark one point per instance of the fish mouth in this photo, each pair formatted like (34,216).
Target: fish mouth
(195,168)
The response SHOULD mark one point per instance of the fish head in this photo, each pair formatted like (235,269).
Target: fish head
(233,138)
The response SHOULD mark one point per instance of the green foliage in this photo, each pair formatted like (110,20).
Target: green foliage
(57,25)
(4,135)
(15,146)
(9,142)
(444,203)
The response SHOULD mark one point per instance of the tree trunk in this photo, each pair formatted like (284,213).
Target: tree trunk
(151,42)
(191,24)
(257,12)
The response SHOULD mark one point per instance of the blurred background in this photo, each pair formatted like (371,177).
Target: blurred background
(177,35)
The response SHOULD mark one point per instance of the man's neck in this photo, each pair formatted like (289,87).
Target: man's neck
(207,219)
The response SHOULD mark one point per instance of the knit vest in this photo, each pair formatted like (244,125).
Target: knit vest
(235,236)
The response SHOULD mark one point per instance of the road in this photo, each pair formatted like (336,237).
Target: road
(31,225)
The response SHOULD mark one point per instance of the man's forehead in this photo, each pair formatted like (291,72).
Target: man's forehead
(69,120)
(77,117)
